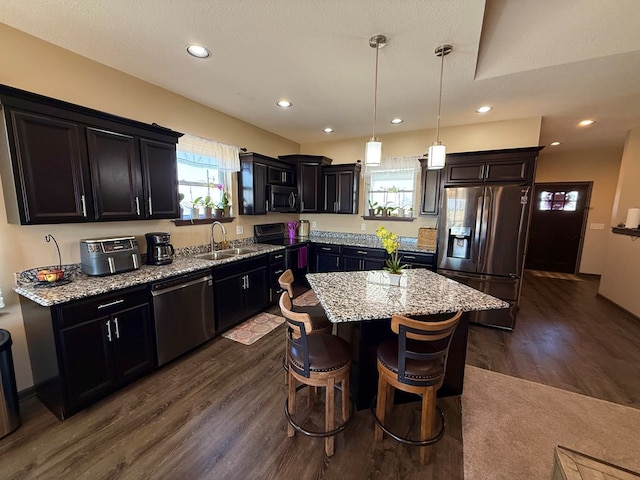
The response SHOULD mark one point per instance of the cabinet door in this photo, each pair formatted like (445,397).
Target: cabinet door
(327,263)
(465,173)
(229,302)
(346,193)
(256,292)
(252,188)
(430,194)
(50,169)
(330,203)
(352,264)
(281,176)
(515,170)
(115,175)
(309,187)
(86,361)
(160,179)
(132,343)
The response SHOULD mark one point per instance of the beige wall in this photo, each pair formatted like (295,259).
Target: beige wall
(621,273)
(33,65)
(465,138)
(600,167)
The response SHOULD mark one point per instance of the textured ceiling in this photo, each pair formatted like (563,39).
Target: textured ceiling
(559,59)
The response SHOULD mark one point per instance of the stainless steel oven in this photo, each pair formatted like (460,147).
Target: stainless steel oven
(283,199)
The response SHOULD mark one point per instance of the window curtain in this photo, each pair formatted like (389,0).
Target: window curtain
(390,164)
(202,152)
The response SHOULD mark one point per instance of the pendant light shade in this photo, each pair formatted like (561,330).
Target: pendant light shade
(438,151)
(373,152)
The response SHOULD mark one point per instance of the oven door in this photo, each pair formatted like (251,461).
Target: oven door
(283,199)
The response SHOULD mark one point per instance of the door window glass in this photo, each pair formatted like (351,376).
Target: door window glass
(558,201)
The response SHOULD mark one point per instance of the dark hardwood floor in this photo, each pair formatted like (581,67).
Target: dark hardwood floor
(217,413)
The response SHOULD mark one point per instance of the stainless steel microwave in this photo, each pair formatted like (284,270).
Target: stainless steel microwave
(283,199)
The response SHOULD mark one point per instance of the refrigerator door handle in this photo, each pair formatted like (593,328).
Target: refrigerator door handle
(522,231)
(478,236)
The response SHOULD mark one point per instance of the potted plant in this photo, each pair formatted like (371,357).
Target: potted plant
(225,204)
(208,205)
(195,207)
(391,243)
(372,208)
(180,206)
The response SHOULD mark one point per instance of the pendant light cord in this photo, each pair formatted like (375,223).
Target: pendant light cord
(440,95)
(375,91)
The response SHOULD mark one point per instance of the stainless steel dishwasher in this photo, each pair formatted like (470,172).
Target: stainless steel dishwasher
(183,313)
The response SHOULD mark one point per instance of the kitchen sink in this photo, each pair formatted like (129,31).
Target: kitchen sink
(226,253)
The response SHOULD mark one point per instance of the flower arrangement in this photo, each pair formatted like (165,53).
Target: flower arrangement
(391,243)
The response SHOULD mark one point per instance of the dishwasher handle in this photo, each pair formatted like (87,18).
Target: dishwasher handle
(158,290)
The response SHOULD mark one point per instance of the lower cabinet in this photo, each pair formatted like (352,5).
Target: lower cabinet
(277,267)
(326,258)
(418,260)
(356,258)
(240,291)
(88,348)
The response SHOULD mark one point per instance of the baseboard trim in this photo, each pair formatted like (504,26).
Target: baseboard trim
(26,393)
(631,314)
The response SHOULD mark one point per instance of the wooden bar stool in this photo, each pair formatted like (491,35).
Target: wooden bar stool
(319,360)
(416,363)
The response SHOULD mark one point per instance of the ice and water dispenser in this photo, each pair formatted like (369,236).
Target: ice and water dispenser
(459,242)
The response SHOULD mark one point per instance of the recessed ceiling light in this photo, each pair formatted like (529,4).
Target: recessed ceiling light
(198,51)
(284,103)
(327,130)
(396,121)
(484,109)
(586,123)
(554,144)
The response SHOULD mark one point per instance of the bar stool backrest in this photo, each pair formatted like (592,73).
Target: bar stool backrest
(286,281)
(298,325)
(437,330)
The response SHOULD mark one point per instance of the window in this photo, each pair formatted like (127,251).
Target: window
(559,201)
(204,171)
(392,185)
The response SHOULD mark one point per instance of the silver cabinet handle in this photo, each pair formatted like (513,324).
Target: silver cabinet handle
(115,322)
(137,206)
(111,304)
(247,277)
(109,330)
(301,205)
(326,249)
(337,262)
(244,282)
(150,206)
(361,252)
(278,272)
(278,256)
(84,206)
(408,257)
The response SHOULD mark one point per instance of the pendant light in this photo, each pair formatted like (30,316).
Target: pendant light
(373,152)
(437,151)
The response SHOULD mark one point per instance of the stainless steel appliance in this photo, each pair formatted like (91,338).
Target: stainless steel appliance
(183,313)
(283,199)
(106,256)
(159,250)
(481,243)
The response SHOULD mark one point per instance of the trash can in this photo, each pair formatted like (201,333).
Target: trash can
(9,406)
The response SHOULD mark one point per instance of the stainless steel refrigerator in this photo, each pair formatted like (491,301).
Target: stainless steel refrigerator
(482,233)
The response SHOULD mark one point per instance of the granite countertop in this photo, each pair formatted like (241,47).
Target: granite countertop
(358,296)
(82,285)
(407,244)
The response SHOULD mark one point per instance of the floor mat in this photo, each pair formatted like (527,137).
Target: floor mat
(254,329)
(307,299)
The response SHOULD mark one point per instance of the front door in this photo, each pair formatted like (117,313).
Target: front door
(558,219)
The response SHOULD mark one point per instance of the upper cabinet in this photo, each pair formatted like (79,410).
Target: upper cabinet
(492,166)
(67,163)
(309,175)
(341,185)
(430,189)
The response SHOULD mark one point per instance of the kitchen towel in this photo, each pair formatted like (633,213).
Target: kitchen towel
(302,257)
(633,218)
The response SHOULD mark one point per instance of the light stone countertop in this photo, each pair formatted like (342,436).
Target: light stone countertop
(367,295)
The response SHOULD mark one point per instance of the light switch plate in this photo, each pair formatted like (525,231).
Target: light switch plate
(313,224)
(363,226)
(239,230)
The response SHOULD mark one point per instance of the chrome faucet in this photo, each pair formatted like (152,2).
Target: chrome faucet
(224,243)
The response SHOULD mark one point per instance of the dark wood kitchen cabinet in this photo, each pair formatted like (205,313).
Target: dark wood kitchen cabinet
(83,350)
(326,258)
(252,184)
(515,165)
(309,176)
(277,266)
(418,260)
(281,175)
(341,188)
(100,167)
(240,291)
(430,189)
(357,258)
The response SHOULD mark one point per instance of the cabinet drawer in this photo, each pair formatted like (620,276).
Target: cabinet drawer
(239,267)
(327,249)
(364,252)
(277,256)
(275,270)
(418,259)
(101,305)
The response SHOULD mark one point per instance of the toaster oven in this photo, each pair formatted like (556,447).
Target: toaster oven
(106,256)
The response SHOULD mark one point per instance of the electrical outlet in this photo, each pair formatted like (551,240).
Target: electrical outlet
(313,224)
(239,230)
(363,226)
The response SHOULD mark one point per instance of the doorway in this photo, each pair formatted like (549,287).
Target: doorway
(558,221)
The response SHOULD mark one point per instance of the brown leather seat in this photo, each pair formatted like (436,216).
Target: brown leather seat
(319,321)
(318,360)
(415,362)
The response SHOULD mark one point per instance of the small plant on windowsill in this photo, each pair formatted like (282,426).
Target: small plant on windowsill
(372,208)
(391,243)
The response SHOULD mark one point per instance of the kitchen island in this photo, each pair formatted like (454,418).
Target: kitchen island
(361,305)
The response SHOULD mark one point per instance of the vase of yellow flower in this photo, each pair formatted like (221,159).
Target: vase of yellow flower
(391,243)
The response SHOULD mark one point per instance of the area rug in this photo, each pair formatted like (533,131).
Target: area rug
(254,329)
(307,299)
(511,426)
(557,275)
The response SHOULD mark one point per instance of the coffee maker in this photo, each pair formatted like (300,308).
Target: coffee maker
(159,250)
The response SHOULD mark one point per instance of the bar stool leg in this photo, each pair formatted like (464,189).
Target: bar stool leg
(329,413)
(292,402)
(345,397)
(381,406)
(427,419)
